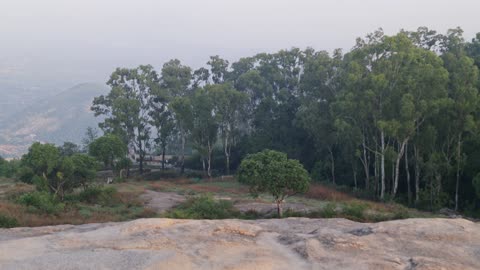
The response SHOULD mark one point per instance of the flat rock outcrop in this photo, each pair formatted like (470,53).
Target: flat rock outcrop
(293,243)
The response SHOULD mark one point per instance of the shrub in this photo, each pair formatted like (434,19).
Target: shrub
(42,201)
(7,222)
(98,195)
(204,207)
(328,211)
(354,211)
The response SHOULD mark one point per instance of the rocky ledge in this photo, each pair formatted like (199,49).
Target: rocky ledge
(293,243)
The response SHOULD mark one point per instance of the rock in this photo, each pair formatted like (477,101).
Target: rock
(293,243)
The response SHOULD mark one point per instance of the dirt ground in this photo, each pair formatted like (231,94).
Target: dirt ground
(161,202)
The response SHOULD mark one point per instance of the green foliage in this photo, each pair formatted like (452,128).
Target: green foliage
(271,172)
(329,211)
(98,195)
(50,171)
(126,107)
(42,201)
(204,207)
(395,107)
(68,149)
(354,211)
(7,222)
(108,149)
(42,159)
(8,168)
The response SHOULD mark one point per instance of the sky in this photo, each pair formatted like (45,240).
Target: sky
(59,43)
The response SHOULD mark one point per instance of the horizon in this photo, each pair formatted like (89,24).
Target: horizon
(85,41)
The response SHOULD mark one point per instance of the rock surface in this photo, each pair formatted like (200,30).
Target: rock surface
(294,243)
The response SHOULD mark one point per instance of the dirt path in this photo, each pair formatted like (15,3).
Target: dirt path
(161,201)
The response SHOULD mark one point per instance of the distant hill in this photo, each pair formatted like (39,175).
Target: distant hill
(55,119)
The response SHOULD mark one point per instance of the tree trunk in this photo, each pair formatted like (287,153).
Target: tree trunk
(163,157)
(209,160)
(459,156)
(140,157)
(279,209)
(366,166)
(382,165)
(140,167)
(182,159)
(375,174)
(203,166)
(227,155)
(417,174)
(407,171)
(332,161)
(397,167)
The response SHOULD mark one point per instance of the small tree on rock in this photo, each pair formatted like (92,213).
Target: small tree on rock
(272,172)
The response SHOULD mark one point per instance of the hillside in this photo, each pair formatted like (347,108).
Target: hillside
(293,243)
(55,119)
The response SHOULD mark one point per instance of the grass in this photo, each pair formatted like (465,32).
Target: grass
(204,207)
(121,201)
(20,205)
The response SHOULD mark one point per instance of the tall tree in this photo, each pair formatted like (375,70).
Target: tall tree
(126,107)
(229,110)
(204,126)
(175,81)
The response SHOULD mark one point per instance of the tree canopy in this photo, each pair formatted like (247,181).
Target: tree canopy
(273,173)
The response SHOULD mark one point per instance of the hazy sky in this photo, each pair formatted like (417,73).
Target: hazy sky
(61,42)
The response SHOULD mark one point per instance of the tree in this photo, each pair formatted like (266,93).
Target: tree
(218,69)
(8,168)
(175,82)
(85,169)
(229,110)
(319,84)
(204,126)
(272,172)
(182,109)
(50,171)
(463,105)
(126,107)
(108,149)
(68,149)
(90,135)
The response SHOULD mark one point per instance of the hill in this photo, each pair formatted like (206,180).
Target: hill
(55,119)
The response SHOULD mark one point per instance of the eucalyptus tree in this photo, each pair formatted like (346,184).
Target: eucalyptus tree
(218,69)
(182,110)
(229,110)
(464,99)
(174,82)
(400,85)
(126,107)
(473,49)
(319,86)
(204,126)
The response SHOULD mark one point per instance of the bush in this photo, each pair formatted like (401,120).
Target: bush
(7,222)
(328,211)
(98,195)
(204,207)
(354,211)
(42,201)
